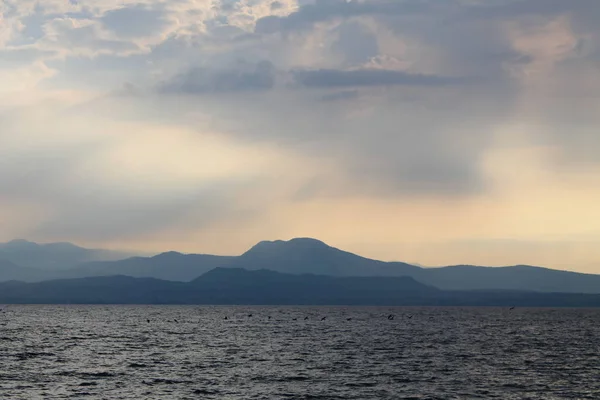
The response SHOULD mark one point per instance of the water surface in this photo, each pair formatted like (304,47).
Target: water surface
(112,352)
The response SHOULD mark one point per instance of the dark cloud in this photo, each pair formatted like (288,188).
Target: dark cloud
(400,142)
(242,78)
(325,10)
(331,78)
(390,128)
(536,8)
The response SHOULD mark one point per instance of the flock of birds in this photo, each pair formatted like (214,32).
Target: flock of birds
(390,317)
(306,318)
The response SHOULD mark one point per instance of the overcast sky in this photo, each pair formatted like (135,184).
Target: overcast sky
(437,132)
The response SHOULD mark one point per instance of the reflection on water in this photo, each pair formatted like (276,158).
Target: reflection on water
(446,353)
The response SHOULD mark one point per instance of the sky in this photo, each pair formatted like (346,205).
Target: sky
(435,132)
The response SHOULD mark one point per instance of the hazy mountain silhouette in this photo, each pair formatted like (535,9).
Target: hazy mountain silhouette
(238,286)
(53,256)
(171,266)
(10,271)
(304,255)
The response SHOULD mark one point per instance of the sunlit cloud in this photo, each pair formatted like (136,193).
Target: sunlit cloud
(385,127)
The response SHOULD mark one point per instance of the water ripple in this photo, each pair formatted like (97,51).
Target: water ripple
(101,352)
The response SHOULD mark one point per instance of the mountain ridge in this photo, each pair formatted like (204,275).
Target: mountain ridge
(234,286)
(306,255)
(54,256)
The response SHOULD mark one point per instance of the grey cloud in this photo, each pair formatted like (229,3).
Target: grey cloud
(82,206)
(330,78)
(91,215)
(419,169)
(10,58)
(268,24)
(324,10)
(136,21)
(86,38)
(242,78)
(423,134)
(340,95)
(276,6)
(355,43)
(33,27)
(410,141)
(536,8)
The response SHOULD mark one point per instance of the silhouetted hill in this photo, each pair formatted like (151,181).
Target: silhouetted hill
(520,277)
(10,271)
(303,255)
(171,266)
(53,256)
(220,286)
(237,286)
(97,290)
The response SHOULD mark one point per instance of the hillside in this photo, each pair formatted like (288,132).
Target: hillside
(310,256)
(262,287)
(53,256)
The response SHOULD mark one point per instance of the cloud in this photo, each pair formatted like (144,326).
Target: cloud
(341,95)
(205,116)
(325,10)
(369,77)
(356,43)
(244,78)
(94,190)
(135,21)
(83,37)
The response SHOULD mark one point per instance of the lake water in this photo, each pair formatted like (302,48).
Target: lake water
(112,352)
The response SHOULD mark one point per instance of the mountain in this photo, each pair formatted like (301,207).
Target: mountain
(305,255)
(10,271)
(263,287)
(236,285)
(312,256)
(519,277)
(171,266)
(53,256)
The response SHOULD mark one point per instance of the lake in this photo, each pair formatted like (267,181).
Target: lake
(191,352)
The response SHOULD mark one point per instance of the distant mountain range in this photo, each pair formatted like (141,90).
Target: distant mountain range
(53,256)
(296,256)
(263,287)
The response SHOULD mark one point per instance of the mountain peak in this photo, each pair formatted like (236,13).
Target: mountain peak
(301,242)
(168,254)
(307,242)
(18,244)
(20,241)
(27,244)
